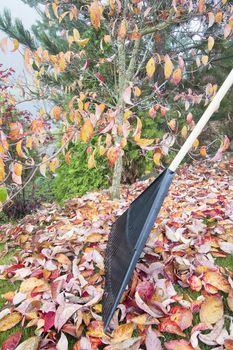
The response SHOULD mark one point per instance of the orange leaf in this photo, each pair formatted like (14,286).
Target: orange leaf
(9,321)
(203,152)
(17,169)
(156,158)
(137,91)
(211,309)
(56,112)
(168,67)
(113,154)
(218,17)
(201,6)
(122,29)
(150,67)
(170,327)
(27,53)
(176,76)
(172,124)
(86,131)
(122,332)
(179,345)
(217,280)
(95,10)
(3,44)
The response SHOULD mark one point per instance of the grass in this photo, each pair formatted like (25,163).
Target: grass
(6,286)
(225,262)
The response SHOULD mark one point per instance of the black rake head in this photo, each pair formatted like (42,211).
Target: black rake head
(127,239)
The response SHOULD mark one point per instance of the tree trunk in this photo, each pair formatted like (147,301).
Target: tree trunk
(116,180)
(125,76)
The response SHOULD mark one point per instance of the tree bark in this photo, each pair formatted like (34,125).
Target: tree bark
(125,76)
(116,180)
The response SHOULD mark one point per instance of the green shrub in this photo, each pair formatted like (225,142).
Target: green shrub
(76,179)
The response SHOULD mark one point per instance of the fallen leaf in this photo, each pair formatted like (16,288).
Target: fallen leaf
(152,341)
(63,343)
(12,341)
(211,309)
(9,321)
(29,344)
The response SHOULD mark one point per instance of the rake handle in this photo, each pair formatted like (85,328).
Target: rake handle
(213,106)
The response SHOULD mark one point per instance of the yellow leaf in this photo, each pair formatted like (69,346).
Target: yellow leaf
(210,43)
(9,321)
(2,170)
(122,29)
(76,34)
(156,158)
(95,10)
(55,9)
(137,91)
(144,142)
(102,150)
(19,149)
(86,131)
(176,76)
(150,67)
(195,143)
(82,42)
(62,64)
(184,132)
(168,67)
(29,284)
(54,164)
(122,332)
(203,152)
(91,161)
(141,319)
(218,17)
(56,112)
(15,45)
(211,309)
(205,59)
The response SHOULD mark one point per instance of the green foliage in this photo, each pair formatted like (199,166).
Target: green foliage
(76,179)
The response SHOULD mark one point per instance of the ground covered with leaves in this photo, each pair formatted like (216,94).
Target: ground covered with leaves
(181,293)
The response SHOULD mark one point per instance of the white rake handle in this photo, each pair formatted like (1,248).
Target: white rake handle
(213,106)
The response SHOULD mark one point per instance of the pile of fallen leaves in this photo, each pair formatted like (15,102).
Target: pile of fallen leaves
(179,298)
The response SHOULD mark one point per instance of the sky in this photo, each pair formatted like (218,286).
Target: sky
(28,16)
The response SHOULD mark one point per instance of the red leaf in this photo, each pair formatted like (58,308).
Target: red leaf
(49,318)
(12,342)
(170,327)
